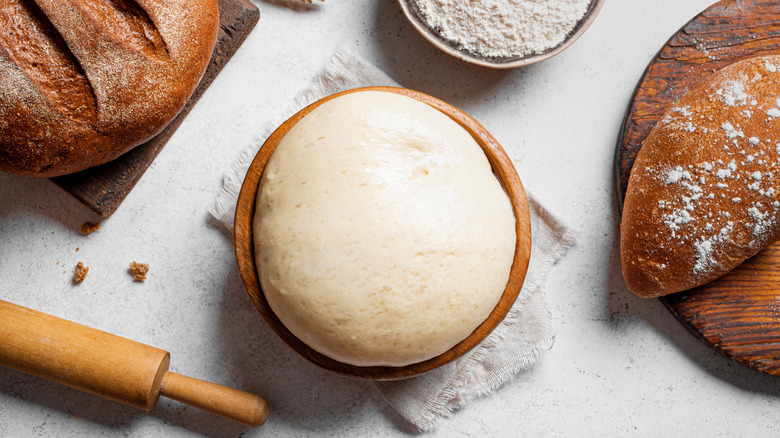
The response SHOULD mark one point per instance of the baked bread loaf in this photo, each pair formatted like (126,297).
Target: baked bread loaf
(84,81)
(382,236)
(703,193)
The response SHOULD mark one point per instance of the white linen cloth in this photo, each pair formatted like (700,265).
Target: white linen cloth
(513,346)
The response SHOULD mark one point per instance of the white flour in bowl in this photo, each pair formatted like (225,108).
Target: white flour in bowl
(503,28)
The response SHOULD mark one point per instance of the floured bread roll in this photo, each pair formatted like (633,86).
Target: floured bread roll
(382,236)
(702,196)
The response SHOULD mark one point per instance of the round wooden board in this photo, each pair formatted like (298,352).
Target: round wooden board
(738,314)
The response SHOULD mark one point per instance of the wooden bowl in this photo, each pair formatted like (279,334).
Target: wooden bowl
(412,12)
(502,167)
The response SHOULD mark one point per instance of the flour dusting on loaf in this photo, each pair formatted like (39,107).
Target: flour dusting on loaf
(382,236)
(702,196)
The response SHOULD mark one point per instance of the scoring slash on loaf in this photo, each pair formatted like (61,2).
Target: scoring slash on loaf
(703,192)
(84,81)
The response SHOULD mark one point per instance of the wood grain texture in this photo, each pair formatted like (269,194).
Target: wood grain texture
(504,170)
(239,406)
(103,188)
(110,366)
(80,357)
(738,314)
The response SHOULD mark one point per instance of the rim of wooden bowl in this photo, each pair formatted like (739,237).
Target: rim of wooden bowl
(414,16)
(506,174)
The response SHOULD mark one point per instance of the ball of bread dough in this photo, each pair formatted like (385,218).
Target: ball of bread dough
(382,236)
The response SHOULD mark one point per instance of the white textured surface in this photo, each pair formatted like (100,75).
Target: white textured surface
(620,365)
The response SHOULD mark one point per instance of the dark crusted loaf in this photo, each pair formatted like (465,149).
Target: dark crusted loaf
(84,81)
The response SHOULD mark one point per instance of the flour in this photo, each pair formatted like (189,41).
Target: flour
(744,175)
(503,28)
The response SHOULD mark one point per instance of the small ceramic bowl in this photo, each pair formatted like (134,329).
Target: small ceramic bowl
(412,12)
(502,167)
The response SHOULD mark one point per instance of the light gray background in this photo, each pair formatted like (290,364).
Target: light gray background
(620,365)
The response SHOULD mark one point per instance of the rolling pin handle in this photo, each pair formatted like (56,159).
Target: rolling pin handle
(239,406)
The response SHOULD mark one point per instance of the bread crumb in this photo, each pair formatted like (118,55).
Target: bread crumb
(89,228)
(139,270)
(80,273)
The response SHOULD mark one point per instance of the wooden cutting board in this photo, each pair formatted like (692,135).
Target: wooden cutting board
(103,188)
(739,314)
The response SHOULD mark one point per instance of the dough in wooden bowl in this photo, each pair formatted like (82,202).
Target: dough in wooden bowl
(84,81)
(702,196)
(382,236)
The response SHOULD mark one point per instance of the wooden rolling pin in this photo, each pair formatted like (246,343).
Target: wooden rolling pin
(110,366)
